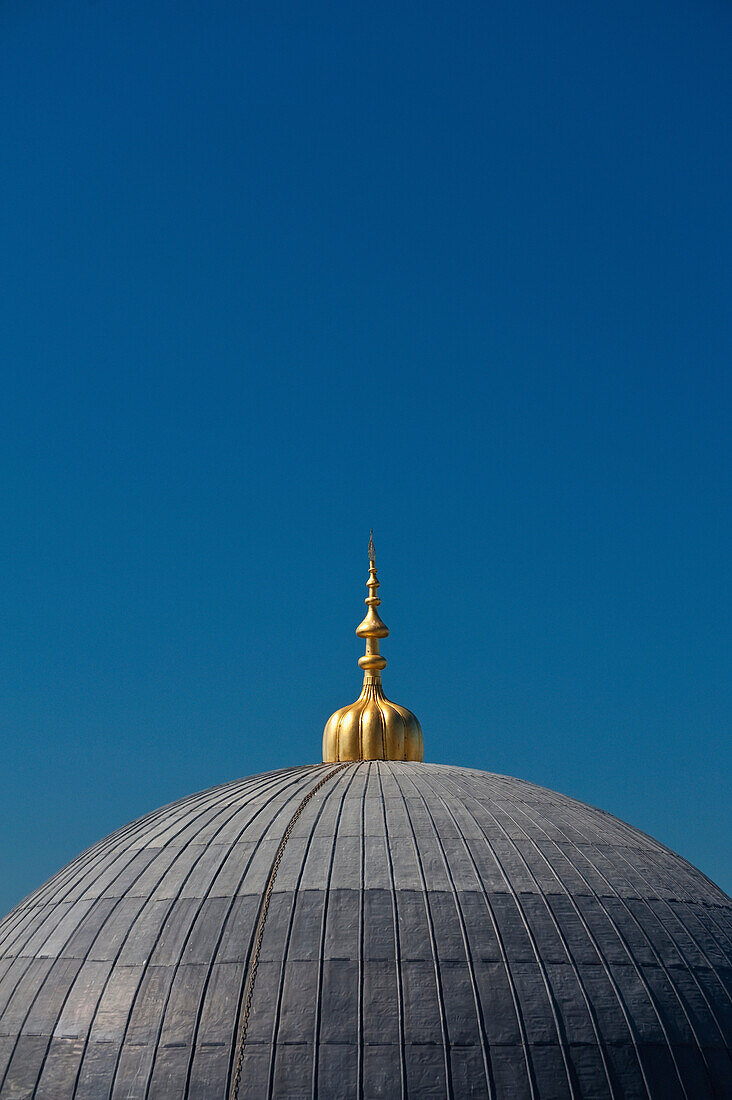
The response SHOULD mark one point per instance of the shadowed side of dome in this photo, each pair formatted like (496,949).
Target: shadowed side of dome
(372,728)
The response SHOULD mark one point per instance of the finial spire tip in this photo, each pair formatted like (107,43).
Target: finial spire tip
(372,728)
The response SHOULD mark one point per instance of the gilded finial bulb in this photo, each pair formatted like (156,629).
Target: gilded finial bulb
(372,728)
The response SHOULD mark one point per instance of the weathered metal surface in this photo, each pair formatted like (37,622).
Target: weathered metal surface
(433,931)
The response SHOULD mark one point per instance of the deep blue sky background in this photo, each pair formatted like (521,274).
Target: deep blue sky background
(275,273)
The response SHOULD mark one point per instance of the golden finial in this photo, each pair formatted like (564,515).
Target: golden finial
(372,728)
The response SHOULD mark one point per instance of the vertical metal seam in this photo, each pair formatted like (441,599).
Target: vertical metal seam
(361,917)
(397,938)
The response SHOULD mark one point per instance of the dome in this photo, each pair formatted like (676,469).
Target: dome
(430,931)
(372,926)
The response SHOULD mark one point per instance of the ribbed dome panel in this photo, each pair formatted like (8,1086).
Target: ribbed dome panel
(434,931)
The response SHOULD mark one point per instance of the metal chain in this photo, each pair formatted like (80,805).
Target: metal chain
(242,1038)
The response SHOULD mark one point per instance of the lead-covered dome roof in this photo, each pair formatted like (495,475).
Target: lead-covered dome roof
(433,931)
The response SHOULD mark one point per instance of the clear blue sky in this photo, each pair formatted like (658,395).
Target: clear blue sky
(273,274)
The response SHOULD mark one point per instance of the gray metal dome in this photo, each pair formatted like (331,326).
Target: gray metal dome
(433,931)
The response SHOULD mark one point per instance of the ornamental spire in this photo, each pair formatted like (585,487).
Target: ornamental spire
(372,728)
(372,628)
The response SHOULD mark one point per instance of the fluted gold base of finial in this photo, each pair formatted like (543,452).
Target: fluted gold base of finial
(372,728)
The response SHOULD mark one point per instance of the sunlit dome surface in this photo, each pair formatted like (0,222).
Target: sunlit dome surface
(433,931)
